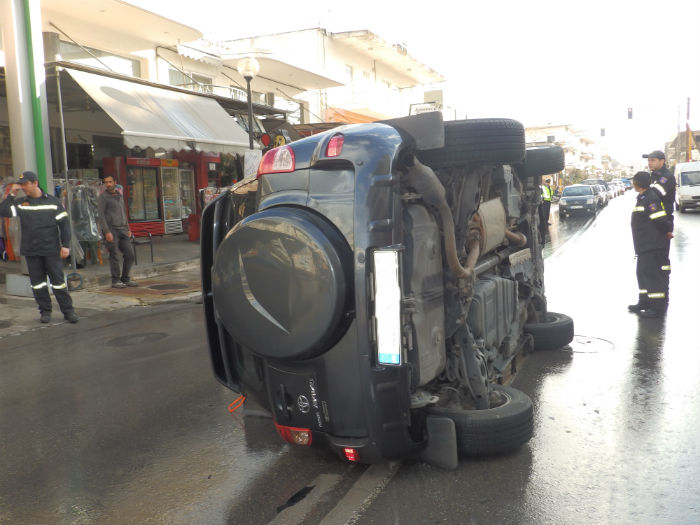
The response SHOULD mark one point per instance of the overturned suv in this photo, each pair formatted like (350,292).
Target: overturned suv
(376,285)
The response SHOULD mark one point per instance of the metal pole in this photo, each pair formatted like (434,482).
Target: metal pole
(38,126)
(65,164)
(250,113)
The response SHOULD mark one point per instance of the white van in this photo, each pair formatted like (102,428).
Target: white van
(688,185)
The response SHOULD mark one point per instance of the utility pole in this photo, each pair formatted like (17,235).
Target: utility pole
(689,135)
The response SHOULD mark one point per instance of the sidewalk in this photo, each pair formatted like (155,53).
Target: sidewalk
(173,275)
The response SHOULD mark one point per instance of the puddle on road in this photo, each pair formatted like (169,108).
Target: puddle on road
(587,344)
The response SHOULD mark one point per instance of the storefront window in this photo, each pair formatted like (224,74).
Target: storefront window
(142,191)
(107,61)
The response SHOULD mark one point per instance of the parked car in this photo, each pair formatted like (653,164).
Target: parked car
(603,195)
(627,182)
(687,185)
(334,293)
(578,199)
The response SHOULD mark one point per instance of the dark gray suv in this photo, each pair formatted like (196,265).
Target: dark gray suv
(376,286)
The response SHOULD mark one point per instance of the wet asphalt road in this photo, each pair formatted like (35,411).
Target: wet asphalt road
(121,421)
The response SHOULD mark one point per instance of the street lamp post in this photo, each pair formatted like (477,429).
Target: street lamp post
(249,67)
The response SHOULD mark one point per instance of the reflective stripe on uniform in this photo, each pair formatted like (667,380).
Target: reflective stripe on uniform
(61,215)
(58,286)
(29,207)
(659,188)
(642,292)
(14,211)
(666,267)
(659,295)
(638,208)
(658,214)
(40,286)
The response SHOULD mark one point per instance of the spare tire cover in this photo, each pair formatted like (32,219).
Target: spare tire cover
(282,284)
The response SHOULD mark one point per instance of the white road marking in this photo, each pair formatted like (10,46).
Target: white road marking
(361,495)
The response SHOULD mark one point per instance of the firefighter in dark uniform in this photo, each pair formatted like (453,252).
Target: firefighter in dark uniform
(663,182)
(45,243)
(651,231)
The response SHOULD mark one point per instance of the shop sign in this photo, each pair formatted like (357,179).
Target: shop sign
(138,161)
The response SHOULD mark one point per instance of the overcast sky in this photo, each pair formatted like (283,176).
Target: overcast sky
(539,61)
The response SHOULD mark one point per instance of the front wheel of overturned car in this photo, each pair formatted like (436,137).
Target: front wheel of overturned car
(488,140)
(542,161)
(502,428)
(556,331)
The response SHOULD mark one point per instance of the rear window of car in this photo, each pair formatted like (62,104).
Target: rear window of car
(690,177)
(576,191)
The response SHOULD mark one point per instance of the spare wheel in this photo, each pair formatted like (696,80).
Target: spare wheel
(488,140)
(282,283)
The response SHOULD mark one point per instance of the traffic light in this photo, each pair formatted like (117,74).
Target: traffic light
(629,112)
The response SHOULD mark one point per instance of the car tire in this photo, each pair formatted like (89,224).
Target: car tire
(556,331)
(496,430)
(491,141)
(542,161)
(681,208)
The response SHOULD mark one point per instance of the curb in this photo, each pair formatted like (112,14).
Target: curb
(93,281)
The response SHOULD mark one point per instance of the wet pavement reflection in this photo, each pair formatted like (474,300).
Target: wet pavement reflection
(122,421)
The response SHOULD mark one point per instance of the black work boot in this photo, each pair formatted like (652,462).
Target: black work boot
(635,308)
(45,317)
(71,317)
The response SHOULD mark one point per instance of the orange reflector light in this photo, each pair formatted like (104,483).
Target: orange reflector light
(335,146)
(351,454)
(293,435)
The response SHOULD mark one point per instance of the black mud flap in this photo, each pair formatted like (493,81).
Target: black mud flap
(427,129)
(442,443)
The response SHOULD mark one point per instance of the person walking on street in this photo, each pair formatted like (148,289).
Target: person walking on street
(651,231)
(115,228)
(45,243)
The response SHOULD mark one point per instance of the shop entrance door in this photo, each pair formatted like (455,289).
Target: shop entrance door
(172,209)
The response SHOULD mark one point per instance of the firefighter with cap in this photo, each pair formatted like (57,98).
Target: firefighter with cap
(45,243)
(663,182)
(651,231)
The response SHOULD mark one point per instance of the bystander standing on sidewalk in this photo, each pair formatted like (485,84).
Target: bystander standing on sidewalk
(115,228)
(45,243)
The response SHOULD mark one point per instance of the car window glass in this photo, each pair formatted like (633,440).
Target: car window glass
(690,177)
(576,191)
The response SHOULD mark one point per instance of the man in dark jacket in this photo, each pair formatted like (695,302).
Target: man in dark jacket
(651,231)
(663,182)
(115,227)
(45,243)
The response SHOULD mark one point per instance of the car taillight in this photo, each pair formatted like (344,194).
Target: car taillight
(278,160)
(351,454)
(335,146)
(296,436)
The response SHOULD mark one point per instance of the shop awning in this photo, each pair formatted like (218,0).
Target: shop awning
(163,119)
